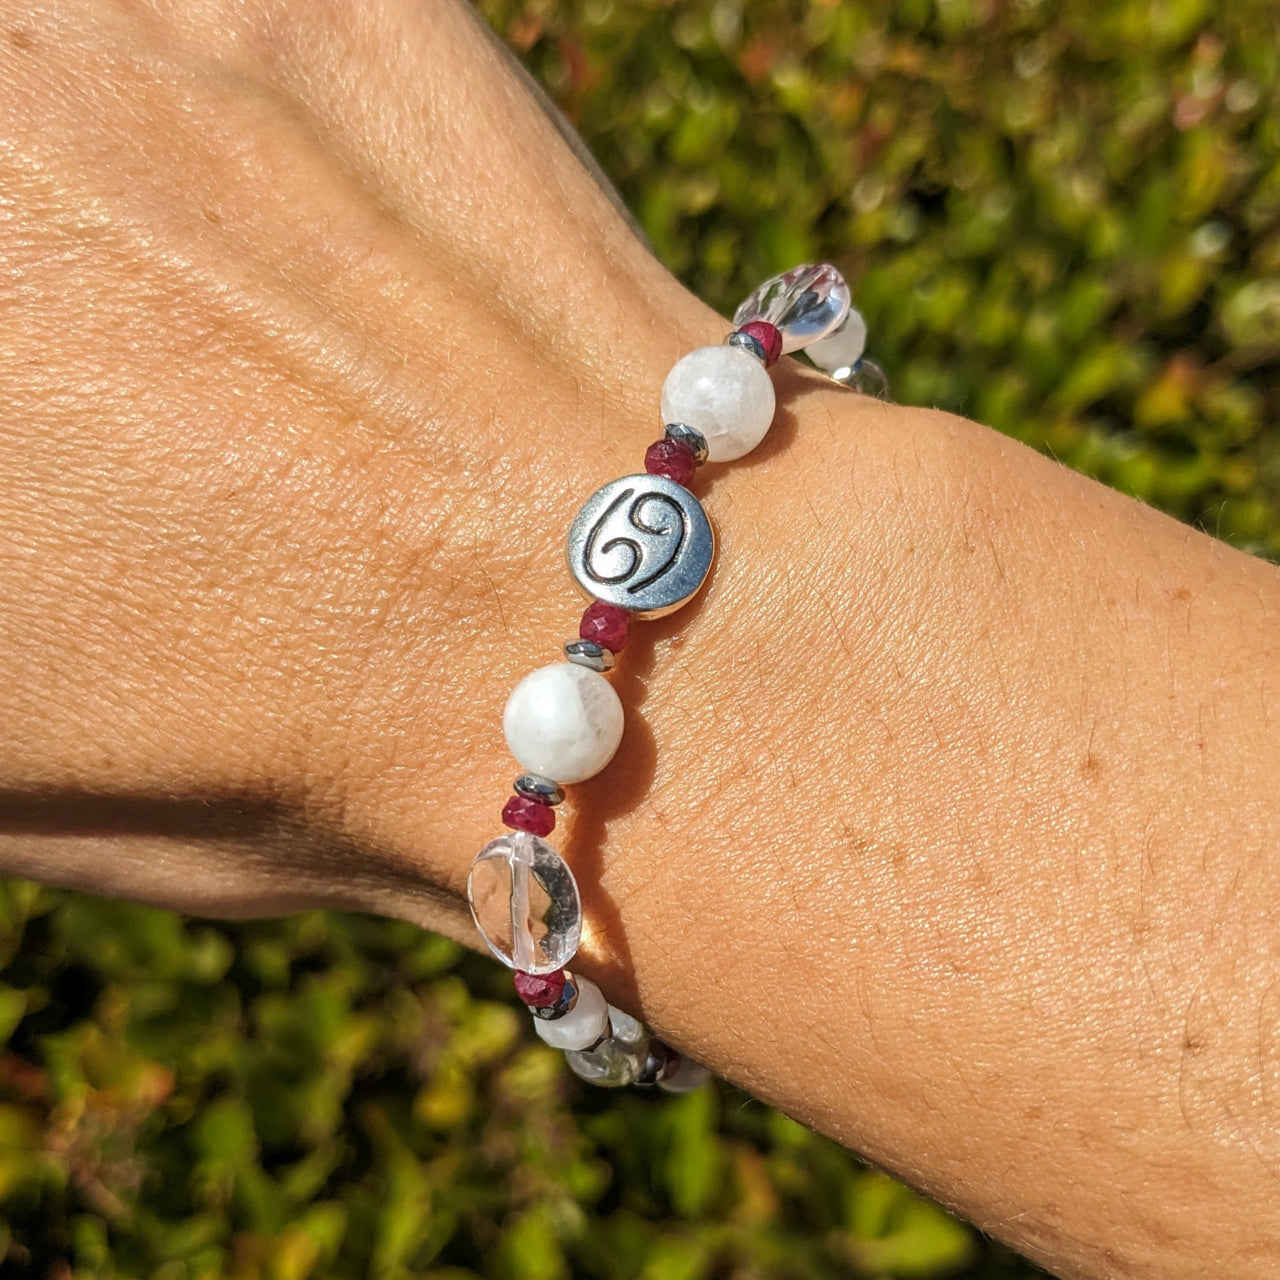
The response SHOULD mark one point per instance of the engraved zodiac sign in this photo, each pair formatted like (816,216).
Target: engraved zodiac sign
(642,542)
(635,541)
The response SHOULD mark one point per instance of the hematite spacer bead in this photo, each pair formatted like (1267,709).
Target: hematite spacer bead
(534,786)
(689,436)
(587,653)
(748,343)
(564,1003)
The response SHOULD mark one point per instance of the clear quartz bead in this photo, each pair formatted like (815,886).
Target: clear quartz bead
(613,1063)
(868,378)
(805,304)
(525,903)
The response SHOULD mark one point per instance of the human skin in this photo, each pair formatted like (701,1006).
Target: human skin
(945,817)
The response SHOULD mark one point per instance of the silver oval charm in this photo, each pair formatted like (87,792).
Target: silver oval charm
(642,542)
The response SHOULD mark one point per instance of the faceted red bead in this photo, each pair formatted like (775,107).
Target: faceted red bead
(671,458)
(769,336)
(539,990)
(606,624)
(530,815)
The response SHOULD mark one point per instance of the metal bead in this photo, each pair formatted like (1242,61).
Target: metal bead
(691,437)
(587,653)
(748,342)
(643,543)
(568,998)
(536,787)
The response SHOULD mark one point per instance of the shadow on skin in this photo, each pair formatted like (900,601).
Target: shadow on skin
(624,785)
(226,855)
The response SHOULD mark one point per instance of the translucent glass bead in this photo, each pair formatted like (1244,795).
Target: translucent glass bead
(525,903)
(583,1025)
(613,1063)
(563,721)
(723,392)
(806,304)
(839,353)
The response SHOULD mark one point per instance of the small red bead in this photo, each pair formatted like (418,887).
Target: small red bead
(769,336)
(606,624)
(529,815)
(539,990)
(670,458)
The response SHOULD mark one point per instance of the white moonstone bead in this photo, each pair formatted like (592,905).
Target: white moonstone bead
(625,1028)
(687,1076)
(583,1025)
(725,393)
(837,353)
(564,722)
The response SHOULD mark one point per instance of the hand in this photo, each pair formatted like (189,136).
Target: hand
(316,333)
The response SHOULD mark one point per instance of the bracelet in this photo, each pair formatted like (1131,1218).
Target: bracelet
(641,547)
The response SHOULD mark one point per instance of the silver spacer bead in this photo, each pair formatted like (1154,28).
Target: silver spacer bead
(533,786)
(689,436)
(587,653)
(659,1062)
(568,998)
(748,343)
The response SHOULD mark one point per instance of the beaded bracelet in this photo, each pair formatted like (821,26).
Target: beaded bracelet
(641,547)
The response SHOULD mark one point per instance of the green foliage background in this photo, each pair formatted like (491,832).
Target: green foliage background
(1064,221)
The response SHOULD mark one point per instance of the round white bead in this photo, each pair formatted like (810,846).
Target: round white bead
(843,349)
(625,1028)
(688,1075)
(564,722)
(725,393)
(583,1025)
